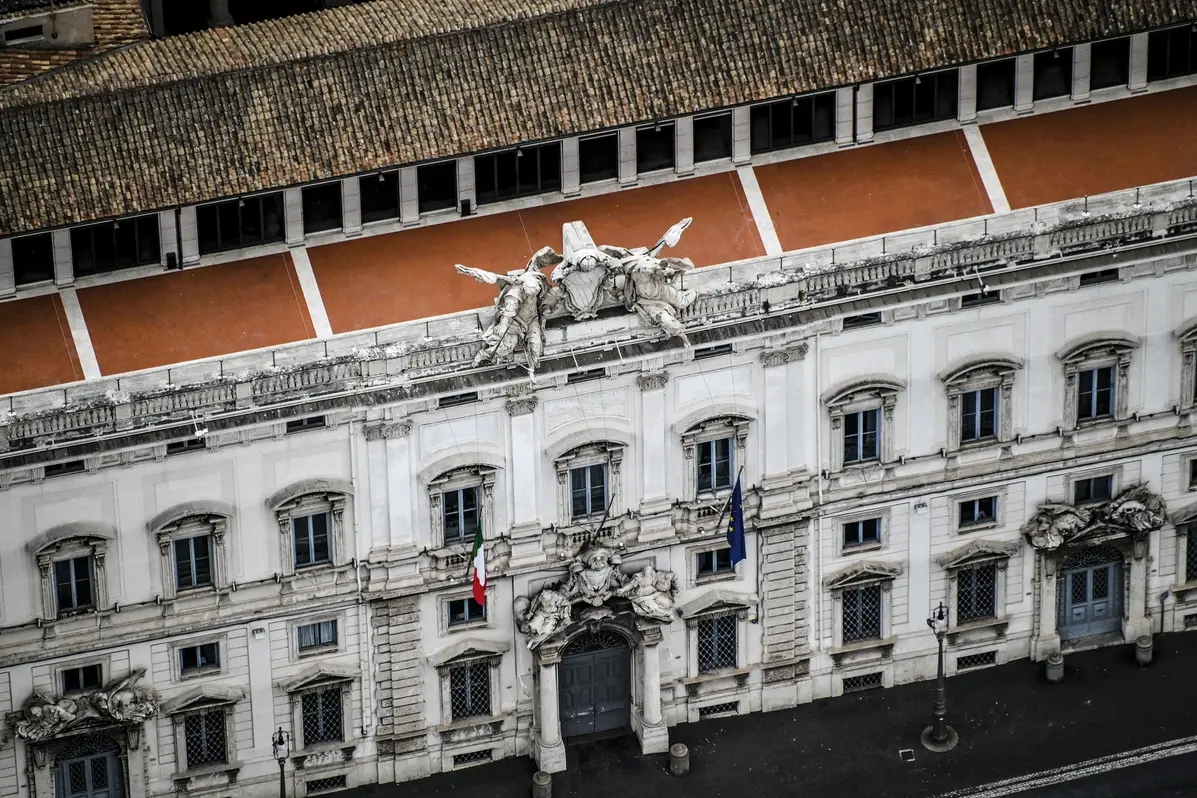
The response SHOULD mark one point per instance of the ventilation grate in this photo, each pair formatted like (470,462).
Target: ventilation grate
(719,710)
(327,784)
(865,681)
(980,660)
(473,758)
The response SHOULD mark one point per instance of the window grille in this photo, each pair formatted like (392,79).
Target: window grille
(326,784)
(865,681)
(862,613)
(717,561)
(193,659)
(193,562)
(311,540)
(1095,393)
(717,643)
(860,435)
(1092,489)
(73,584)
(858,533)
(978,414)
(974,512)
(969,661)
(714,465)
(459,515)
(719,710)
(85,677)
(469,690)
(1191,620)
(204,736)
(1191,554)
(976,592)
(322,716)
(316,635)
(473,757)
(588,491)
(465,610)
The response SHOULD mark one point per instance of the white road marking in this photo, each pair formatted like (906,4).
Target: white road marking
(989,176)
(1080,770)
(78,325)
(760,211)
(311,292)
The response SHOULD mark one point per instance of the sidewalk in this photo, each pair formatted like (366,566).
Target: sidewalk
(1011,722)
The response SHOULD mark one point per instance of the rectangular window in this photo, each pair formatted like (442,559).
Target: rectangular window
(712,137)
(73,585)
(111,246)
(714,465)
(1100,276)
(1191,554)
(793,122)
(310,534)
(304,424)
(974,512)
(976,593)
(193,562)
(64,468)
(1172,53)
(717,647)
(1193,473)
(322,208)
(978,415)
(598,158)
(995,84)
(23,34)
(191,444)
(861,320)
(33,258)
(204,734)
(198,659)
(312,636)
(711,563)
(244,222)
(465,610)
(913,101)
(1053,74)
(459,515)
(321,712)
(1095,393)
(860,533)
(457,399)
(1109,63)
(980,298)
(1093,489)
(588,491)
(469,691)
(862,614)
(655,148)
(436,186)
(379,196)
(85,677)
(861,436)
(521,172)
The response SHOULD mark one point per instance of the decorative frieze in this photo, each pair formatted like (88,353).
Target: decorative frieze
(780,357)
(388,430)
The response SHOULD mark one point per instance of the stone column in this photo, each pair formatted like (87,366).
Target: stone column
(351,205)
(843,116)
(1081,68)
(683,128)
(293,213)
(627,156)
(741,135)
(64,264)
(1136,621)
(167,239)
(1024,83)
(864,113)
(409,195)
(571,165)
(967,105)
(465,183)
(550,750)
(136,763)
(1047,636)
(189,235)
(654,735)
(1138,62)
(42,783)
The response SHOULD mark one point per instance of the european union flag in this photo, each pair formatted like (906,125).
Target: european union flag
(735,526)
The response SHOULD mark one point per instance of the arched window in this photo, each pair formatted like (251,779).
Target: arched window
(311,524)
(192,545)
(980,394)
(72,563)
(862,421)
(1096,371)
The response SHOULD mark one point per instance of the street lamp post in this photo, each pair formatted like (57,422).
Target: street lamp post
(939,736)
(280,743)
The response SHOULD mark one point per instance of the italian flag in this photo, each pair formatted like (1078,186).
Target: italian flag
(479,568)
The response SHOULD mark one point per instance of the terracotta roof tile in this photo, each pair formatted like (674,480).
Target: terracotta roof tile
(220,113)
(116,23)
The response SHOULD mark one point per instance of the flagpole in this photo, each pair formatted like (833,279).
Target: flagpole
(726,504)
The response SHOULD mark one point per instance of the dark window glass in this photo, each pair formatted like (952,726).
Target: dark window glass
(598,158)
(205,656)
(63,468)
(1191,554)
(460,515)
(186,445)
(33,258)
(978,511)
(1172,53)
(517,173)
(73,584)
(588,491)
(380,196)
(979,298)
(911,101)
(858,533)
(311,540)
(1193,472)
(1095,393)
(714,465)
(861,320)
(193,562)
(860,436)
(1053,74)
(1100,276)
(1109,63)
(244,222)
(714,562)
(978,414)
(304,424)
(712,138)
(789,123)
(1092,489)
(316,635)
(655,148)
(111,246)
(322,208)
(436,186)
(995,84)
(87,677)
(465,610)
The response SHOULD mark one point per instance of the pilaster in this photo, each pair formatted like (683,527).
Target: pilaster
(656,521)
(64,266)
(1138,62)
(1081,67)
(189,236)
(864,113)
(167,239)
(783,610)
(653,733)
(409,195)
(293,212)
(1136,621)
(683,128)
(844,98)
(466,191)
(571,175)
(550,750)
(1047,636)
(966,107)
(351,205)
(8,275)
(1024,83)
(627,156)
(741,135)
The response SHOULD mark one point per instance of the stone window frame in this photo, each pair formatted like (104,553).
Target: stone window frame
(319,651)
(1091,352)
(999,515)
(318,679)
(976,554)
(65,542)
(461,653)
(193,520)
(104,662)
(713,429)
(600,452)
(977,374)
(442,611)
(868,393)
(713,603)
(1186,336)
(692,552)
(478,476)
(1113,472)
(222,648)
(1184,524)
(311,497)
(883,517)
(220,699)
(857,576)
(1187,459)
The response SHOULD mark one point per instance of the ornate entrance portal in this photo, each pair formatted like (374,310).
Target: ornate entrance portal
(595,684)
(90,769)
(1091,593)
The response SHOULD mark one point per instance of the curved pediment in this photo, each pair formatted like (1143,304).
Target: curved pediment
(468,648)
(480,455)
(306,487)
(75,530)
(740,411)
(862,573)
(858,388)
(980,364)
(576,435)
(202,509)
(976,552)
(1098,344)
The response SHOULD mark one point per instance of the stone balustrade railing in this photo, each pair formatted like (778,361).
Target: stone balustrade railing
(413,351)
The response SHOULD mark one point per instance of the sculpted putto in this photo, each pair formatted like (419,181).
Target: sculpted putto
(121,702)
(544,616)
(651,593)
(594,576)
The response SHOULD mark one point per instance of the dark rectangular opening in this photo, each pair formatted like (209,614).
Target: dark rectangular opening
(62,469)
(789,123)
(655,148)
(712,137)
(192,444)
(457,399)
(1098,277)
(85,677)
(995,84)
(111,246)
(913,101)
(1093,490)
(379,196)
(322,208)
(980,298)
(1193,472)
(598,158)
(238,223)
(33,258)
(1053,74)
(861,320)
(302,424)
(712,351)
(585,376)
(521,172)
(465,610)
(436,186)
(1109,63)
(1172,53)
(28,33)
(196,659)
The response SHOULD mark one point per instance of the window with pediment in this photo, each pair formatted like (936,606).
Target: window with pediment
(72,561)
(311,524)
(469,678)
(714,450)
(204,729)
(861,604)
(980,401)
(461,501)
(589,481)
(1096,379)
(1187,336)
(715,630)
(862,422)
(977,583)
(321,709)
(192,547)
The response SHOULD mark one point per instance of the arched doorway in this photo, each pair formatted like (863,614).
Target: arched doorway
(1091,593)
(89,767)
(595,685)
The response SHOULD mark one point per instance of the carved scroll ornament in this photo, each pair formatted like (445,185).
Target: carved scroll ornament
(1134,512)
(122,702)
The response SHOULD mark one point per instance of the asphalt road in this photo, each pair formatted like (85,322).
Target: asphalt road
(1175,777)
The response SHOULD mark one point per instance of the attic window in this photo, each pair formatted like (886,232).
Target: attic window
(712,351)
(458,399)
(585,376)
(62,469)
(303,424)
(861,320)
(29,33)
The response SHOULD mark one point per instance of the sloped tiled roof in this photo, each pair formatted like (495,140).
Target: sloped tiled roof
(226,112)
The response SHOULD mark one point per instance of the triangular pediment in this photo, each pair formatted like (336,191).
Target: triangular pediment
(717,600)
(318,674)
(204,696)
(863,573)
(976,552)
(468,648)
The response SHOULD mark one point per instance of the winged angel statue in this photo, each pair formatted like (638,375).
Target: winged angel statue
(585,280)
